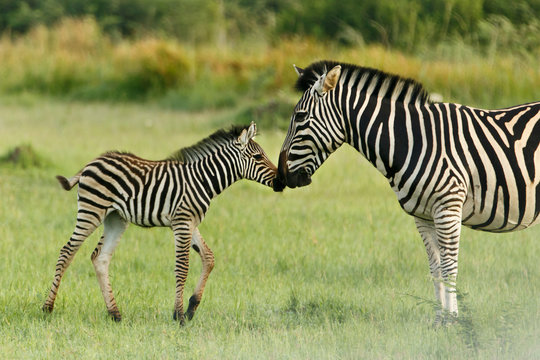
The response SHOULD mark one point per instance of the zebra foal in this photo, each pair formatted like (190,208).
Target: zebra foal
(120,188)
(448,164)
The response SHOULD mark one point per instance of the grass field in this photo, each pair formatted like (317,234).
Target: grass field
(331,271)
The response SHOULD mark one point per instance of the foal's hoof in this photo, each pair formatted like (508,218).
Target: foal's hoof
(189,314)
(179,316)
(193,304)
(115,316)
(47,308)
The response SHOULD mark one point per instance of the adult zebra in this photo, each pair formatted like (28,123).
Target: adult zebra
(118,188)
(448,164)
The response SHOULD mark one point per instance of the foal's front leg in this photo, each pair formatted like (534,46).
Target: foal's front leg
(183,231)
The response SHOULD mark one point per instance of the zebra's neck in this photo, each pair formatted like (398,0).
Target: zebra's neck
(215,172)
(383,131)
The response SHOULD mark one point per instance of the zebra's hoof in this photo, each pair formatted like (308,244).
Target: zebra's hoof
(449,319)
(115,316)
(437,323)
(189,314)
(47,308)
(179,316)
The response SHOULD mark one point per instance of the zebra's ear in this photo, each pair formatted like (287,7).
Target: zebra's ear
(252,131)
(331,79)
(247,134)
(299,71)
(327,81)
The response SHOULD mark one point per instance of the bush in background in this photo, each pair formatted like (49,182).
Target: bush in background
(23,156)
(77,60)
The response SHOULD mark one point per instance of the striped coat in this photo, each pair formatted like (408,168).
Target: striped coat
(119,188)
(448,164)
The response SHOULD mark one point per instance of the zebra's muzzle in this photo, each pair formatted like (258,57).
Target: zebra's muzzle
(285,178)
(298,179)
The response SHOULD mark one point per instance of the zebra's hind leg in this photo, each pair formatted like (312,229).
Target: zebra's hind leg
(207,257)
(429,236)
(86,224)
(114,227)
(182,228)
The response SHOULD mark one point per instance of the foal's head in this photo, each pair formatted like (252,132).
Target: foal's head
(255,165)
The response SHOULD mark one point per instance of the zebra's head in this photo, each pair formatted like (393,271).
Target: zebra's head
(255,165)
(312,135)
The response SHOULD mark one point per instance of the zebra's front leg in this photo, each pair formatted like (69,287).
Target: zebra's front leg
(114,227)
(207,258)
(448,228)
(429,236)
(183,231)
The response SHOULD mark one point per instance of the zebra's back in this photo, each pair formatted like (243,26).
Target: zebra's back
(143,192)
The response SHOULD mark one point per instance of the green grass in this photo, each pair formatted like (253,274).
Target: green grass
(332,271)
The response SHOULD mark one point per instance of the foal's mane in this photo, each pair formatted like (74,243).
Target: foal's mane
(351,74)
(207,146)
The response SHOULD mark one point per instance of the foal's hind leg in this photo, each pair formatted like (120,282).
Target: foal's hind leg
(183,229)
(114,227)
(207,257)
(86,224)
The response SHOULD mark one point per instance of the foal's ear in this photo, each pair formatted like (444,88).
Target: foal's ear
(247,134)
(252,130)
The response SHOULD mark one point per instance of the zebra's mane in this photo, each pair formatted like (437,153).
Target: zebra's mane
(208,145)
(352,74)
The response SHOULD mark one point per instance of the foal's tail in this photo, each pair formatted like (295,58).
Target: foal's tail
(68,184)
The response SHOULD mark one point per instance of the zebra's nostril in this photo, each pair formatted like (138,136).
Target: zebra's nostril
(303,177)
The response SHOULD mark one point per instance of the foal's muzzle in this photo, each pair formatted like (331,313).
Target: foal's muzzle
(280,182)
(278,185)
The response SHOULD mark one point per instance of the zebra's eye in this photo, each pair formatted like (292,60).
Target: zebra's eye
(258,157)
(300,115)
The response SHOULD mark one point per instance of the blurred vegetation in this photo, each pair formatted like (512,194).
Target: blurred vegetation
(405,24)
(23,156)
(200,54)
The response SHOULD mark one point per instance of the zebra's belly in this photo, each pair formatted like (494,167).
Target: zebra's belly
(496,212)
(490,211)
(145,216)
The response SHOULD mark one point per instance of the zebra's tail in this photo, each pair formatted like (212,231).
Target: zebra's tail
(68,184)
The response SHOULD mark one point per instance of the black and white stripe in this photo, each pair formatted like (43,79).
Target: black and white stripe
(120,188)
(448,164)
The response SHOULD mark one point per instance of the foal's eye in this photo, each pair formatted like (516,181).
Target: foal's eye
(258,157)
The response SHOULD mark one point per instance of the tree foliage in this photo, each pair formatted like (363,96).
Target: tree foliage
(401,24)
